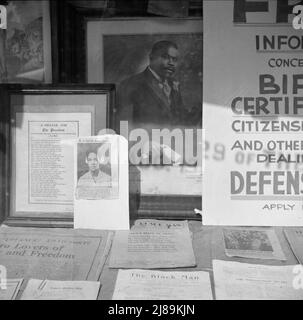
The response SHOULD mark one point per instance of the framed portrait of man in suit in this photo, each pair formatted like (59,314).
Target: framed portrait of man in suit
(156,65)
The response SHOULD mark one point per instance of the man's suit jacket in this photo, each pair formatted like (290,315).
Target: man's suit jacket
(140,99)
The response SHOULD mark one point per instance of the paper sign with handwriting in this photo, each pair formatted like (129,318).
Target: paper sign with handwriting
(151,249)
(61,290)
(157,285)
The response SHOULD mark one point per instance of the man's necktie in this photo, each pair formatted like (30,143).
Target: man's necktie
(166,89)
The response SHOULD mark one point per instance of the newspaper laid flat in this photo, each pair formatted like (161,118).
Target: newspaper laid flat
(241,281)
(255,243)
(54,254)
(157,285)
(61,290)
(9,288)
(295,239)
(160,224)
(151,249)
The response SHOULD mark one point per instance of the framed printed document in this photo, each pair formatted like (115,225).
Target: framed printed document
(39,126)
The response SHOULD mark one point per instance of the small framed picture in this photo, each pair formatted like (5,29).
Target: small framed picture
(39,126)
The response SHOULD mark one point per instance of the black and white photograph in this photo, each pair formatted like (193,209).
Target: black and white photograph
(93,170)
(246,240)
(159,78)
(156,65)
(151,150)
(97,170)
(27,55)
(252,243)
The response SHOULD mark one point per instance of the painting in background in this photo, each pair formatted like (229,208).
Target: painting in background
(119,52)
(27,40)
(127,55)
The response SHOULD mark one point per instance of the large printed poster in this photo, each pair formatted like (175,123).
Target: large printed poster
(253,106)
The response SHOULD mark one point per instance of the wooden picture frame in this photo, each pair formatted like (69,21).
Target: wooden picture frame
(69,60)
(68,30)
(118,52)
(28,42)
(38,124)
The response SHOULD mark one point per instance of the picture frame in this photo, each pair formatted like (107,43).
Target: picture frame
(69,19)
(28,55)
(117,51)
(38,126)
(98,29)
